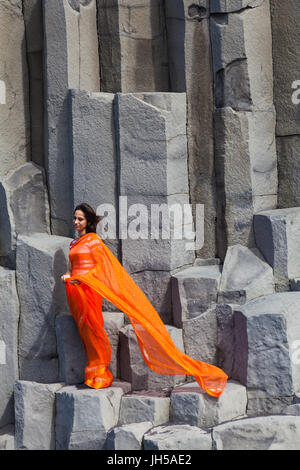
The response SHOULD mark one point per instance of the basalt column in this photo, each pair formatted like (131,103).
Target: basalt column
(71,61)
(286,45)
(244,121)
(190,69)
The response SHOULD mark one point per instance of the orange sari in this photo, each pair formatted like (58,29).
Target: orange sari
(102,275)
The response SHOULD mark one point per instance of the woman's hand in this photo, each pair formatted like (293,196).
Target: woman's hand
(64,277)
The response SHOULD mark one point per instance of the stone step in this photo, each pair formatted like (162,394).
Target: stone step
(260,433)
(128,436)
(141,408)
(177,437)
(191,405)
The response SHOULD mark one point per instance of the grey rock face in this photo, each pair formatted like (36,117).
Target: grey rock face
(132,41)
(277,235)
(24,206)
(190,66)
(285,29)
(41,260)
(133,367)
(243,72)
(289,170)
(14,107)
(7,438)
(139,408)
(9,320)
(243,184)
(156,285)
(68,35)
(194,291)
(190,405)
(225,337)
(35,415)
(94,158)
(84,416)
(292,410)
(263,433)
(200,337)
(227,6)
(127,437)
(260,403)
(177,437)
(245,276)
(265,333)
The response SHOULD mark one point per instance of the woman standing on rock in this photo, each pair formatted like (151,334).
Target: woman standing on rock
(94,272)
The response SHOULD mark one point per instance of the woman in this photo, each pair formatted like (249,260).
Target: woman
(94,272)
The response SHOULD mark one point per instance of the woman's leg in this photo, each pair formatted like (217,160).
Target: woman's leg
(86,307)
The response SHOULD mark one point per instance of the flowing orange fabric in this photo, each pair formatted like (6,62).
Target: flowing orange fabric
(102,275)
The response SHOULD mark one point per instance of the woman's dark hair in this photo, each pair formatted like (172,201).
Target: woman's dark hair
(91,217)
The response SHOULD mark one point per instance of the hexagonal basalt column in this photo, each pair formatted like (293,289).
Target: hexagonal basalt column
(190,405)
(194,291)
(277,236)
(267,330)
(9,321)
(24,207)
(70,31)
(84,416)
(41,260)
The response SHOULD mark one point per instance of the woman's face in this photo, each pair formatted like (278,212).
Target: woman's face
(80,222)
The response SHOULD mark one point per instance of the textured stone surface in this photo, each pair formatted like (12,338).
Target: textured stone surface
(242,57)
(41,260)
(227,6)
(245,276)
(277,235)
(265,331)
(292,410)
(94,158)
(64,50)
(84,416)
(139,408)
(177,437)
(71,354)
(225,337)
(35,415)
(194,290)
(263,433)
(156,242)
(133,367)
(7,438)
(133,46)
(200,337)
(9,321)
(14,110)
(24,206)
(260,403)
(127,437)
(160,167)
(285,30)
(190,405)
(190,66)
(33,18)
(288,170)
(245,169)
(156,285)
